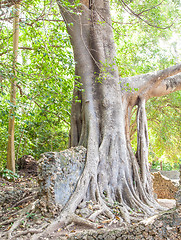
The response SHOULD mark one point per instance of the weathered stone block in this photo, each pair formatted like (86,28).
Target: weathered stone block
(58,173)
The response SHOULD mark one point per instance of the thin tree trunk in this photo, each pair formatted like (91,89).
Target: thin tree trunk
(11,126)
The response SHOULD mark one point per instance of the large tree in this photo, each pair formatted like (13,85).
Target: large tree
(100,117)
(101,112)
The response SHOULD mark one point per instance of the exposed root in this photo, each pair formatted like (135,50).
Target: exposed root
(149,220)
(6,222)
(24,200)
(82,221)
(95,214)
(113,179)
(14,226)
(26,232)
(63,222)
(22,216)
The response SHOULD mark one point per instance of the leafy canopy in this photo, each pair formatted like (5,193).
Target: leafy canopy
(147,39)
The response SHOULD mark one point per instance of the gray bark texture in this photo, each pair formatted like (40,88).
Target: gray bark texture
(100,120)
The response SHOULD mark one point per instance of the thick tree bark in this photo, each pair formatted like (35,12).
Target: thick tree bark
(101,121)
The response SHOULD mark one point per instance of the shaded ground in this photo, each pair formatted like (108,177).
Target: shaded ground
(19,219)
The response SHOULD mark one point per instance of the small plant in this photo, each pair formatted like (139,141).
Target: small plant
(30,215)
(8,174)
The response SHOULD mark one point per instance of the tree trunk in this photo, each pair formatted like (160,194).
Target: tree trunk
(11,149)
(100,121)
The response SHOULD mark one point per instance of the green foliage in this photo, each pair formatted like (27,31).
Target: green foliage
(45,76)
(164,117)
(8,174)
(30,215)
(166,166)
(148,45)
(46,73)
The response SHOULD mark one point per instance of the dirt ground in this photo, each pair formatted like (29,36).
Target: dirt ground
(20,220)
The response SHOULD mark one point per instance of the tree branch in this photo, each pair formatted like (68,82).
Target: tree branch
(139,16)
(147,10)
(167,86)
(154,84)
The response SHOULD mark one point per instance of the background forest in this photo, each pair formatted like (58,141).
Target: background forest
(147,39)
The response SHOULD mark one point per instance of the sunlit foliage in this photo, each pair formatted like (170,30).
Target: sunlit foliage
(147,39)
